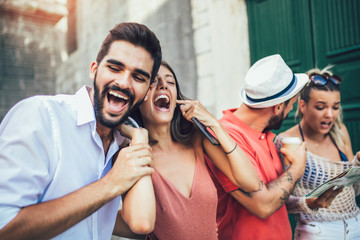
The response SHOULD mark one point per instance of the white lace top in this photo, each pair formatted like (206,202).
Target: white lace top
(317,171)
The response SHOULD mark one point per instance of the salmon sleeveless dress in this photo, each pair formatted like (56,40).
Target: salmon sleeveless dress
(181,218)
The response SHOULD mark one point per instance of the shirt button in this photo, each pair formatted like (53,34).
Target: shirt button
(262,137)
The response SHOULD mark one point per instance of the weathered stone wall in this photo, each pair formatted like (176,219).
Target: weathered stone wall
(205,41)
(30,49)
(170,20)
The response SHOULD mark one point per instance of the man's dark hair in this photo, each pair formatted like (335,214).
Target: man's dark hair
(286,103)
(137,34)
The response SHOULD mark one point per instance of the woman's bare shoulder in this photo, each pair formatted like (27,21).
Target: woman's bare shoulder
(346,140)
(196,143)
(291,132)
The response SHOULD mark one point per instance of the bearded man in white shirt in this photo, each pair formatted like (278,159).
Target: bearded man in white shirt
(61,171)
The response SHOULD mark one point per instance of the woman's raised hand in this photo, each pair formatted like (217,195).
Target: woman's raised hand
(193,108)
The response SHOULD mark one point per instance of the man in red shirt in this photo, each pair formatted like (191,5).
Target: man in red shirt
(268,95)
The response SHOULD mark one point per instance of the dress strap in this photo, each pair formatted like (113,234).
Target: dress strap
(342,155)
(301,132)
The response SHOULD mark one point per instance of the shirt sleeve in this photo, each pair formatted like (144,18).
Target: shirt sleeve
(25,137)
(224,181)
(356,162)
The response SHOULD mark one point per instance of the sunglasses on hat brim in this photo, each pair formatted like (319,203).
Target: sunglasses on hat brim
(322,80)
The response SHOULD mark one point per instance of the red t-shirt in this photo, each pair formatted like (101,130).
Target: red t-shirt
(235,221)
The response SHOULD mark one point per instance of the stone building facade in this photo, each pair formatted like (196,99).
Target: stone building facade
(30,49)
(205,41)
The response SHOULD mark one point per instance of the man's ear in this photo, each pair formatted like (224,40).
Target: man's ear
(93,69)
(278,108)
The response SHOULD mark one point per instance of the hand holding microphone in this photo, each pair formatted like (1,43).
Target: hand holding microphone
(131,129)
(191,108)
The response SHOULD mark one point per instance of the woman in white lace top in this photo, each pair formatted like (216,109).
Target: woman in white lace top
(335,214)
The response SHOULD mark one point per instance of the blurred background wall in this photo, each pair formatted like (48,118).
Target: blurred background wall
(47,46)
(205,41)
(30,49)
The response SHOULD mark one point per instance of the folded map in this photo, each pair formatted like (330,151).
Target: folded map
(346,178)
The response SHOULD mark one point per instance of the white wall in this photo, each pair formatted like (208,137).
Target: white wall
(222,51)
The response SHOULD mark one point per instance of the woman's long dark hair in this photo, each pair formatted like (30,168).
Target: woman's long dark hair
(180,128)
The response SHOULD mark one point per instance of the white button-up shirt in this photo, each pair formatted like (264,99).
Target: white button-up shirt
(49,147)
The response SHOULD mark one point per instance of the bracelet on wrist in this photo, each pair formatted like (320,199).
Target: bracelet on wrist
(232,149)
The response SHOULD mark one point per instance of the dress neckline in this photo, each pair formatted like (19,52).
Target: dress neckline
(175,188)
(343,157)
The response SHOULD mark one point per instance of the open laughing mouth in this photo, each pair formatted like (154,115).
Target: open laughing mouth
(326,124)
(162,103)
(117,102)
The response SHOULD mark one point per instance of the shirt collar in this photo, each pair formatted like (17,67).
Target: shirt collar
(229,116)
(86,112)
(85,108)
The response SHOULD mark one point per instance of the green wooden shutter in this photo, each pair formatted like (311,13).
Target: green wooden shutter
(279,26)
(284,27)
(312,33)
(336,38)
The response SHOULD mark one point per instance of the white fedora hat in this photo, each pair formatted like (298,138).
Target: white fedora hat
(269,82)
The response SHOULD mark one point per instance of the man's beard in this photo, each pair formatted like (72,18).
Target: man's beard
(275,122)
(99,105)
